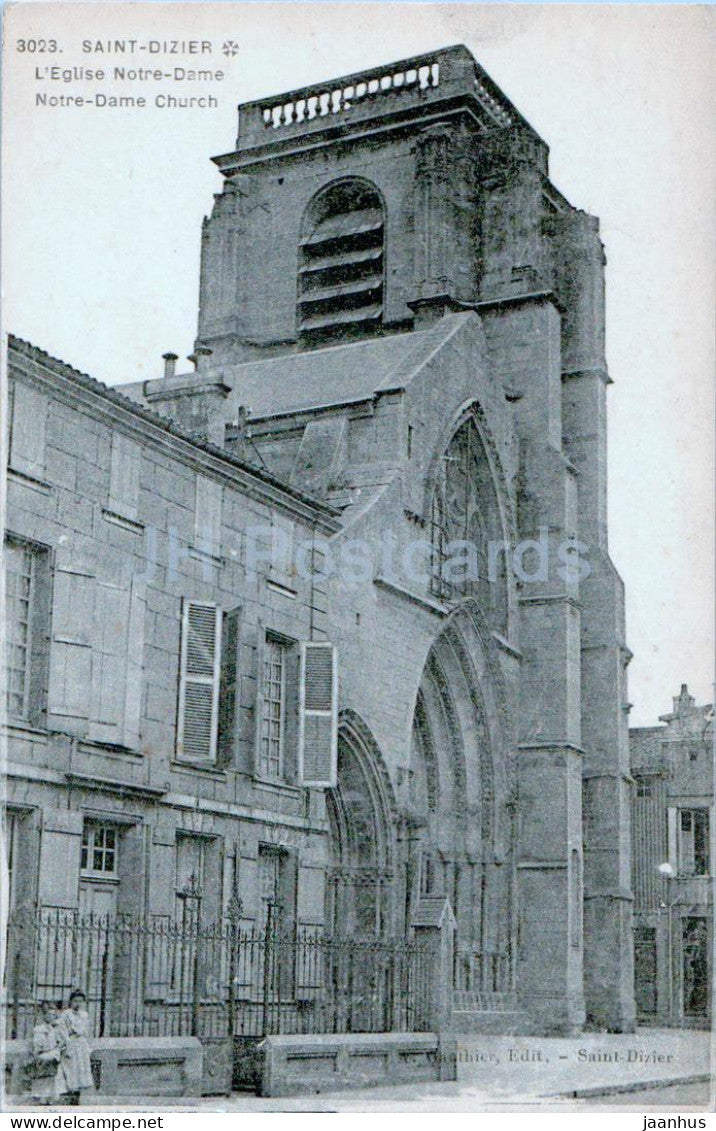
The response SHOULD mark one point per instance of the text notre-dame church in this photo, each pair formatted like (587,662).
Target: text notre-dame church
(368,642)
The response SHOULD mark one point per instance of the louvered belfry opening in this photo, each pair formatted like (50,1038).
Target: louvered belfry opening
(340,286)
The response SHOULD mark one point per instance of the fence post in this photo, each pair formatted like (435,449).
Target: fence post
(434,928)
(234,911)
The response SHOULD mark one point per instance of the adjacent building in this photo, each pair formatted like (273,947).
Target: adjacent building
(328,623)
(673,865)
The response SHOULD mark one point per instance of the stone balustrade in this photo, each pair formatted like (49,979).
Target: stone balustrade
(319,103)
(413,82)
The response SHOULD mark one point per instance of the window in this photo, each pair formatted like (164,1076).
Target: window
(427,876)
(196,895)
(695,966)
(273,707)
(189,879)
(645,979)
(207,729)
(466,527)
(693,832)
(26,595)
(268,881)
(278,870)
(340,287)
(643,788)
(99,850)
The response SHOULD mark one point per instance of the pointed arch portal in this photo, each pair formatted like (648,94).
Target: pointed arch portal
(459,836)
(362,819)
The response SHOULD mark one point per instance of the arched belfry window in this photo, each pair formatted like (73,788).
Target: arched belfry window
(340,283)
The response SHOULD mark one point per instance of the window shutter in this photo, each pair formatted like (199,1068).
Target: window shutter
(29,425)
(318,715)
(199,682)
(229,688)
(207,516)
(109,662)
(70,679)
(117,663)
(283,532)
(671,837)
(124,477)
(135,664)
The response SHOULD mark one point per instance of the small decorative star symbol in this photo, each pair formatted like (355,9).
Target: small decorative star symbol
(230,47)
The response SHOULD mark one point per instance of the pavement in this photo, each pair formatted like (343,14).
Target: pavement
(513,1074)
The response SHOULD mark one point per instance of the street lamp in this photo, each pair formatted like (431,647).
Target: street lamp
(667,869)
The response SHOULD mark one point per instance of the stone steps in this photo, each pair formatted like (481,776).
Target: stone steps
(494,1000)
(491,1022)
(488,1011)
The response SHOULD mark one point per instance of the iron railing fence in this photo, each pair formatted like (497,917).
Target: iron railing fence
(153,976)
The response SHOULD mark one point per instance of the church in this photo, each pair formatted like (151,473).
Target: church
(378,502)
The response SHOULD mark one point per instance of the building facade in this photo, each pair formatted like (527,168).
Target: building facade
(392,443)
(152,681)
(673,865)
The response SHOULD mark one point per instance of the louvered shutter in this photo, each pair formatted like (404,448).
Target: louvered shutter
(318,715)
(229,689)
(199,682)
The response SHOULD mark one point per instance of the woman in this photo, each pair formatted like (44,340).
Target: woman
(76,1053)
(45,1068)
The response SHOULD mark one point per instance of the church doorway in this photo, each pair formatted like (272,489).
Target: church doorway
(360,881)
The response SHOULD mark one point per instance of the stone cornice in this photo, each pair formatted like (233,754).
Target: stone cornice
(523,299)
(337,135)
(620,894)
(112,785)
(599,371)
(566,747)
(407,594)
(608,775)
(505,646)
(552,599)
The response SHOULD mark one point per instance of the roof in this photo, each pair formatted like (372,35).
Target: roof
(91,384)
(336,375)
(433,911)
(645,747)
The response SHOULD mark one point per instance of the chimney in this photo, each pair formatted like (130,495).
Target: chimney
(192,357)
(170,364)
(202,354)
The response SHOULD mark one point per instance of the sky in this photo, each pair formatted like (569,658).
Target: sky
(102,212)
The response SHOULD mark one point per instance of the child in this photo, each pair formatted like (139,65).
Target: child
(45,1068)
(76,1052)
